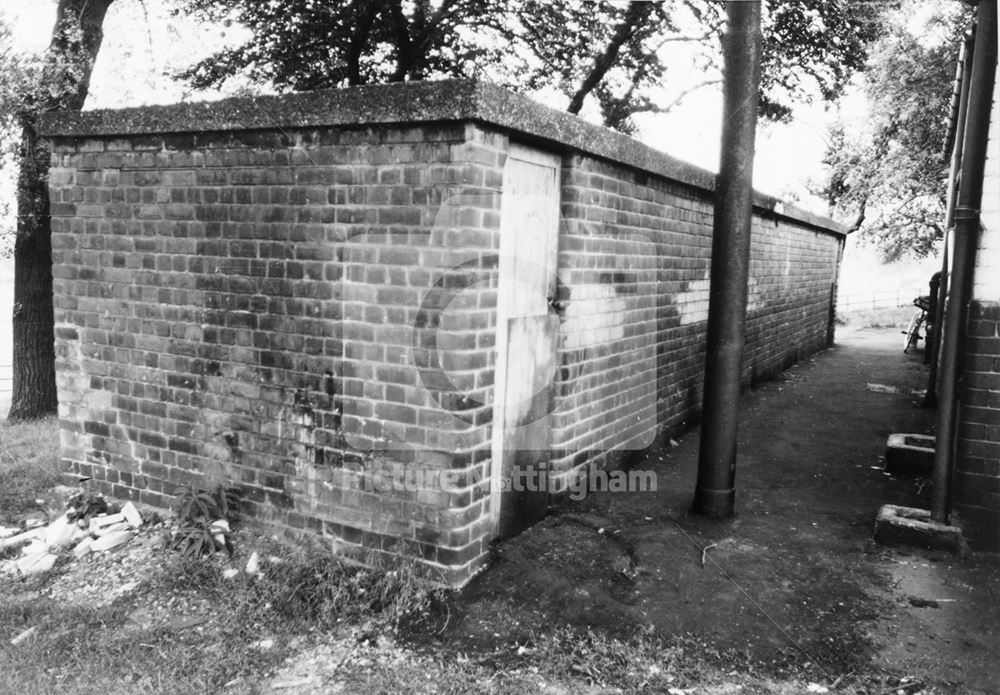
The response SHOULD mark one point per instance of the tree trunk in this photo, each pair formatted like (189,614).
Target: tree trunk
(404,44)
(364,16)
(34,387)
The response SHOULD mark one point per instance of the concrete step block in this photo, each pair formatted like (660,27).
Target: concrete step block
(909,454)
(895,526)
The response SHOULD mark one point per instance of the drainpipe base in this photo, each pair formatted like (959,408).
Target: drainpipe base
(895,526)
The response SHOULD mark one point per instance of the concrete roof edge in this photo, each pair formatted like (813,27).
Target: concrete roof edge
(779,208)
(399,103)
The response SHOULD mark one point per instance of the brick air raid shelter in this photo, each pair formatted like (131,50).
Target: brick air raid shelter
(378,308)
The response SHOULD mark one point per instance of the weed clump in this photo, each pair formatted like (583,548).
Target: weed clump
(329,593)
(302,587)
(310,589)
(203,519)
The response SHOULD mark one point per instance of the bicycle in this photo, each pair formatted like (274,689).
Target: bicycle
(919,320)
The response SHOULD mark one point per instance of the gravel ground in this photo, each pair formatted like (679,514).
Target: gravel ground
(99,579)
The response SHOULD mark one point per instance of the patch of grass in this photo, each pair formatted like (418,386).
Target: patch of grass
(894,317)
(309,592)
(86,650)
(29,464)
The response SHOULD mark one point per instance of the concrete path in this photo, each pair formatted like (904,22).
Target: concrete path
(795,579)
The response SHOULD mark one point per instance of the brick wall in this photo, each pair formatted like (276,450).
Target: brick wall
(977,467)
(308,307)
(635,252)
(240,307)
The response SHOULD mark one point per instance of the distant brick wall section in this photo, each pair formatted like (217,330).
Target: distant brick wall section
(987,278)
(977,470)
(977,475)
(310,312)
(647,241)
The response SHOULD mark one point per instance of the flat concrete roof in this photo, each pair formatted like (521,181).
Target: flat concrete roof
(405,103)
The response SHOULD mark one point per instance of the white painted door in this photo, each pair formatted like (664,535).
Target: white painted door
(526,338)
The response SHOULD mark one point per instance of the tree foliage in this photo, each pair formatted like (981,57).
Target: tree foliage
(889,172)
(308,44)
(12,76)
(59,78)
(31,84)
(12,73)
(612,53)
(814,46)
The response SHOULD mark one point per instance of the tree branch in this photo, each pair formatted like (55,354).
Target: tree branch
(444,12)
(689,90)
(686,38)
(860,219)
(513,36)
(636,13)
(885,219)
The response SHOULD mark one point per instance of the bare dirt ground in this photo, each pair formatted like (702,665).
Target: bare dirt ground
(794,582)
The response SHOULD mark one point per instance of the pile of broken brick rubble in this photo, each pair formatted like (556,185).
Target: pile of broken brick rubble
(86,533)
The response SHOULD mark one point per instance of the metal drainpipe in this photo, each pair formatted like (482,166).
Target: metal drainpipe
(970,195)
(959,112)
(715,493)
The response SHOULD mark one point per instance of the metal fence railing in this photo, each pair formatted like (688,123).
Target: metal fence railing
(6,378)
(887,299)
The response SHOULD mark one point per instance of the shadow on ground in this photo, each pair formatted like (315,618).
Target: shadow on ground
(794,580)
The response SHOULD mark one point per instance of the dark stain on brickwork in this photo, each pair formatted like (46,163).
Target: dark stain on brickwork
(282,500)
(99,429)
(623,282)
(232,440)
(181,381)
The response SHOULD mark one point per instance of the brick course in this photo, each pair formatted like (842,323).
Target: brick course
(310,313)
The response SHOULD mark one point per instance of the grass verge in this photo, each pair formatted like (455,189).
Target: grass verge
(86,650)
(894,317)
(232,630)
(29,464)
